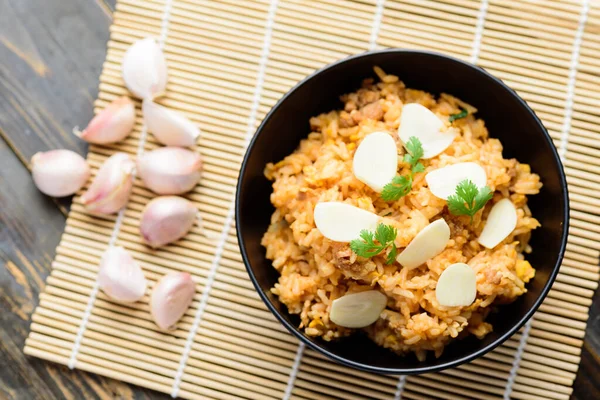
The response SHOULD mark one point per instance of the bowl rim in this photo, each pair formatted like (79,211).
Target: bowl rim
(417,370)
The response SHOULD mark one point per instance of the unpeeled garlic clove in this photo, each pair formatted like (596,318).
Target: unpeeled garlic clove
(170,170)
(145,68)
(120,277)
(110,190)
(171,297)
(169,127)
(59,173)
(112,124)
(166,219)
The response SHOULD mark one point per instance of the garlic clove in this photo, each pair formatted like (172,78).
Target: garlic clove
(376,160)
(112,124)
(59,173)
(171,297)
(417,120)
(343,222)
(501,221)
(428,243)
(112,185)
(145,69)
(357,310)
(166,219)
(457,286)
(169,127)
(120,277)
(443,181)
(170,170)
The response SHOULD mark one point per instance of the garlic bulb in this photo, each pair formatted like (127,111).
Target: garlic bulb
(120,277)
(145,69)
(59,173)
(170,298)
(170,170)
(112,124)
(169,127)
(166,219)
(110,190)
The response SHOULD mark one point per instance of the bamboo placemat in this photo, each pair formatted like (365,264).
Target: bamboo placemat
(229,61)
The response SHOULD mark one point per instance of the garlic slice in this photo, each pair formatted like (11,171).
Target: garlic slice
(457,286)
(417,120)
(343,222)
(110,125)
(376,160)
(500,222)
(145,69)
(120,277)
(169,127)
(112,185)
(170,170)
(357,310)
(443,181)
(59,173)
(428,243)
(171,297)
(166,219)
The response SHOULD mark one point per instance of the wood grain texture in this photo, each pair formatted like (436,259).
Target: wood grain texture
(51,54)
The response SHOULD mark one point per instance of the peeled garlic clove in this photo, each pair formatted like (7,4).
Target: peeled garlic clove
(169,127)
(430,242)
(501,221)
(417,120)
(59,173)
(357,310)
(120,277)
(443,181)
(343,222)
(112,124)
(376,160)
(170,170)
(145,69)
(457,286)
(171,297)
(166,219)
(110,190)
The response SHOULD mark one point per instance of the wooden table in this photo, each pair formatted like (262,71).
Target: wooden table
(51,54)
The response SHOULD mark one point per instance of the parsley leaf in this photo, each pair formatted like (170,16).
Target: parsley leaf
(401,185)
(371,244)
(468,199)
(462,114)
(414,150)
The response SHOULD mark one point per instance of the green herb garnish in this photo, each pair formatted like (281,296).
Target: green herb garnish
(468,199)
(370,244)
(401,185)
(462,114)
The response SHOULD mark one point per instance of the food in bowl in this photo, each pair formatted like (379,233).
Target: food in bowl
(398,216)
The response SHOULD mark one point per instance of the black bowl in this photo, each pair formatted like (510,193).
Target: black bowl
(506,116)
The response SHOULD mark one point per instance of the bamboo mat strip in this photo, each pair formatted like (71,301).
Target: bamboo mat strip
(229,62)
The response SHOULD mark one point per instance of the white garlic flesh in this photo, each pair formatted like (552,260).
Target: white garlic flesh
(171,297)
(145,69)
(112,124)
(500,223)
(110,189)
(120,277)
(166,219)
(443,181)
(170,170)
(428,243)
(457,286)
(59,173)
(343,222)
(169,127)
(376,160)
(357,310)
(418,121)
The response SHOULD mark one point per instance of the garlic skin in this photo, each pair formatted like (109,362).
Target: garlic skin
(169,127)
(170,170)
(59,173)
(171,297)
(120,277)
(112,185)
(112,124)
(145,68)
(166,219)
